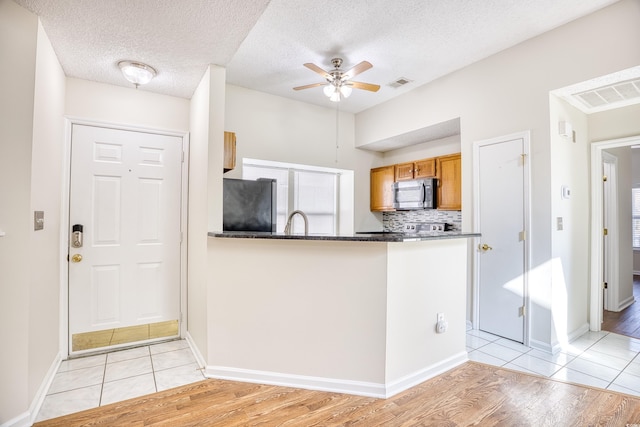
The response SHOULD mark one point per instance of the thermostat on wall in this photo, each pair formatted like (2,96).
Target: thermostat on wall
(566,192)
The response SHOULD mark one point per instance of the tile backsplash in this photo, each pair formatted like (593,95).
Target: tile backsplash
(394,221)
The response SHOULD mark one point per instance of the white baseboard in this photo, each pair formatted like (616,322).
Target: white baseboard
(626,303)
(196,351)
(560,343)
(360,388)
(26,419)
(424,374)
(469,325)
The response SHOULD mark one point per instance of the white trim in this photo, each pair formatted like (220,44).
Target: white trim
(64,222)
(359,388)
(557,346)
(595,309)
(526,146)
(625,303)
(613,255)
(29,417)
(424,374)
(195,350)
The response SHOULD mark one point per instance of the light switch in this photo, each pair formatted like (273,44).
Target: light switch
(559,225)
(38,220)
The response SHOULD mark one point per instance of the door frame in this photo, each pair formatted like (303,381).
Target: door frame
(64,219)
(526,137)
(597,224)
(610,204)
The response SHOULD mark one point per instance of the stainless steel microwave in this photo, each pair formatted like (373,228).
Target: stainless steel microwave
(415,194)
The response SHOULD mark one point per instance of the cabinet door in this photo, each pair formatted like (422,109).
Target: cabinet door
(449,182)
(229,151)
(404,171)
(382,188)
(425,168)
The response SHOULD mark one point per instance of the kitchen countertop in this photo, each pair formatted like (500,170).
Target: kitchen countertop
(358,237)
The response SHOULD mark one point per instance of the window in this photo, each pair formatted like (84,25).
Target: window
(313,190)
(635,207)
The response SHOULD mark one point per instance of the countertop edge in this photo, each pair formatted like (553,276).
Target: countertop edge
(385,238)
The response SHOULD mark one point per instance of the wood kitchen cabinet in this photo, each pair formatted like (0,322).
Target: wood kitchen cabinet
(449,170)
(229,151)
(425,168)
(382,179)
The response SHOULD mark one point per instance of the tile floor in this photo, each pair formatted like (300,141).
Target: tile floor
(93,381)
(597,359)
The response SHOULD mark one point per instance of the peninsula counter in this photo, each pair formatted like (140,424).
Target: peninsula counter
(353,314)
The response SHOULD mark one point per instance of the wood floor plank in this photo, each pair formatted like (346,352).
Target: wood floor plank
(471,394)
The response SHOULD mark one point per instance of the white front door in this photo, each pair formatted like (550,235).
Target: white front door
(124,281)
(500,218)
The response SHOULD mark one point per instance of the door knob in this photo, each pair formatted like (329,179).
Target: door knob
(484,247)
(76,258)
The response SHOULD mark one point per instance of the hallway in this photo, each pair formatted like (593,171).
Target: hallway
(627,321)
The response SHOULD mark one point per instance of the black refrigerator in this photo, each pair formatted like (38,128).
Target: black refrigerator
(249,205)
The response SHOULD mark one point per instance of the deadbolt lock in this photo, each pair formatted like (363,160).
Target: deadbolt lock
(76,258)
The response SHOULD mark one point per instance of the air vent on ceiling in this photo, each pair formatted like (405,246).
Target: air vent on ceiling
(621,93)
(400,82)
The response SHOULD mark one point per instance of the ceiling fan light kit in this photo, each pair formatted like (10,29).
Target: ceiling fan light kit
(339,84)
(137,72)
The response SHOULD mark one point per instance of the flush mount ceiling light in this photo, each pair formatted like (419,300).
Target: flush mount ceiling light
(137,72)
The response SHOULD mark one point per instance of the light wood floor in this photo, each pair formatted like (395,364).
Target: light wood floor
(627,321)
(471,394)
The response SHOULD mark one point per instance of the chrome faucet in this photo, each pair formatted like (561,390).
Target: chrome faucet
(287,228)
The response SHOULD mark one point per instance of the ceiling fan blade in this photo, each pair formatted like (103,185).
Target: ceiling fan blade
(363,66)
(315,68)
(309,86)
(365,86)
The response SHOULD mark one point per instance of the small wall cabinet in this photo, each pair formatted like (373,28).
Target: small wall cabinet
(425,168)
(229,151)
(381,189)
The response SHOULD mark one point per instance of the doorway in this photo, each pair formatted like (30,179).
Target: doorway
(598,247)
(501,215)
(125,263)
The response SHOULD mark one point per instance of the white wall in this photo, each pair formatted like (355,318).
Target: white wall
(425,150)
(570,246)
(125,106)
(270,127)
(507,93)
(18,36)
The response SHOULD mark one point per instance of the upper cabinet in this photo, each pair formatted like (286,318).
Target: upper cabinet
(449,170)
(229,151)
(425,168)
(446,168)
(381,189)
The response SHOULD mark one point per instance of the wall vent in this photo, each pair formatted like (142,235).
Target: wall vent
(401,81)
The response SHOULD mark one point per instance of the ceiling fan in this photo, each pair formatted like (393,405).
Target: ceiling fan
(338,83)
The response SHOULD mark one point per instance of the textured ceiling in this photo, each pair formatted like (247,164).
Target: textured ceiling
(263,43)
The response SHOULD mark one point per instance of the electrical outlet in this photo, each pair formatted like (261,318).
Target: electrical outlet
(441,325)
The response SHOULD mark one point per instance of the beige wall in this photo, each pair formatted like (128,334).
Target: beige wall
(31,111)
(507,93)
(18,36)
(46,183)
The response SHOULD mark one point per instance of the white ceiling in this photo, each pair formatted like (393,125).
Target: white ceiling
(263,43)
